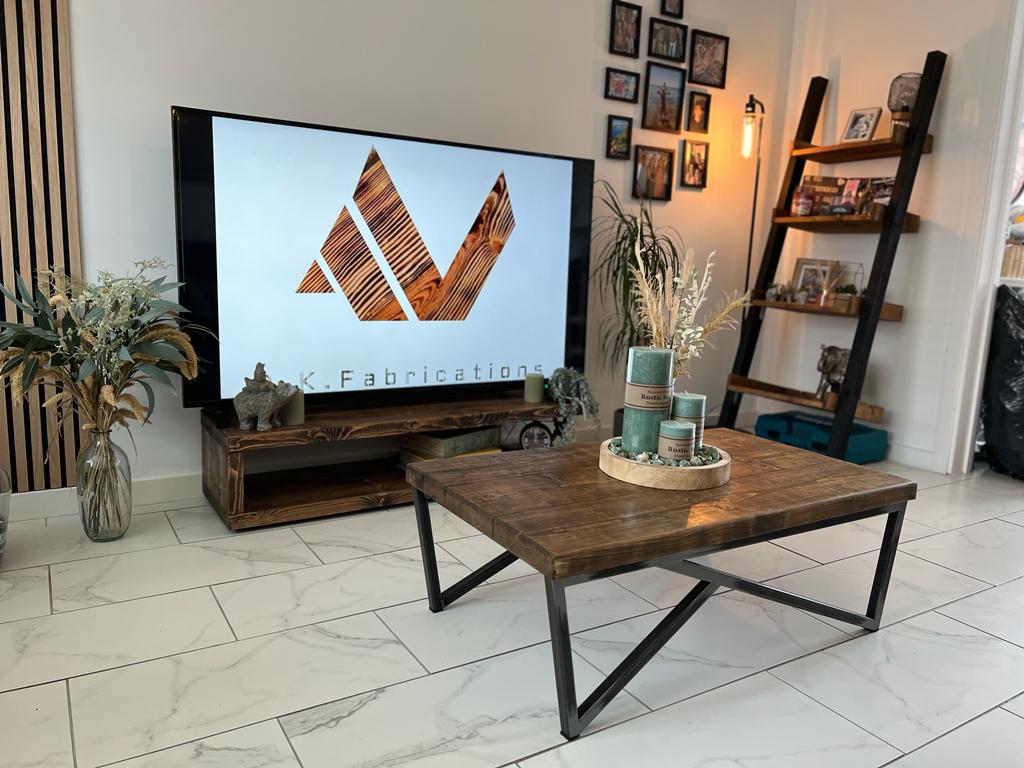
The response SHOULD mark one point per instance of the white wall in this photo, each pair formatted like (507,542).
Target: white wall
(526,74)
(915,366)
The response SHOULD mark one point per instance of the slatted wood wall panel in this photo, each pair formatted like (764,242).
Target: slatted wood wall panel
(38,213)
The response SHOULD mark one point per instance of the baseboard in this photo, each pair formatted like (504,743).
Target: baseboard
(35,505)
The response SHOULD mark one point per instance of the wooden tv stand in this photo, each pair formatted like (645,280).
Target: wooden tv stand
(264,498)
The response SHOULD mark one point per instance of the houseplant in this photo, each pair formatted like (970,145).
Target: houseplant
(617,235)
(97,346)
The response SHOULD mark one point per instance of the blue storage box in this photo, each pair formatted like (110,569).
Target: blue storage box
(809,431)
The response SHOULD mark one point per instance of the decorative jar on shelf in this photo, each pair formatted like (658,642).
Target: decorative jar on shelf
(104,484)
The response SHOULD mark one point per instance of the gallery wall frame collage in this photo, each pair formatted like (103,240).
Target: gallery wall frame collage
(677,57)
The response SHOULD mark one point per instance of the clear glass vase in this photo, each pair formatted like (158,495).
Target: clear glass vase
(104,488)
(5,510)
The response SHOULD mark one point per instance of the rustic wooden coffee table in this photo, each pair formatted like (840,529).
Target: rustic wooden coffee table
(557,511)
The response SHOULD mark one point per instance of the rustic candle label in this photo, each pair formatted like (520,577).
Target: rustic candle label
(648,397)
(698,421)
(675,447)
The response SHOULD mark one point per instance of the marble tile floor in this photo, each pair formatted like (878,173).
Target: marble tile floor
(309,645)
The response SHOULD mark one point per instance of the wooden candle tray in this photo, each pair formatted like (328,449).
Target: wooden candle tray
(668,478)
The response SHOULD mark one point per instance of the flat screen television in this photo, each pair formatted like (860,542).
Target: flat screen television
(365,266)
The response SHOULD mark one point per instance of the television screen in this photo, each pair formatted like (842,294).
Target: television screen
(350,262)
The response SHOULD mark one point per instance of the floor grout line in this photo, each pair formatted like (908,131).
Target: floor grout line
(837,714)
(288,739)
(227,621)
(71,723)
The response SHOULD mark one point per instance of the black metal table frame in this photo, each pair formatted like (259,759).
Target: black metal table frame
(574,718)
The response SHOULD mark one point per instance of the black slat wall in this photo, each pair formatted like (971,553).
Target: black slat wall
(38,213)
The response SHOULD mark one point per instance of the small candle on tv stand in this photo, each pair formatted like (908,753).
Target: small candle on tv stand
(676,439)
(293,412)
(648,399)
(533,391)
(688,407)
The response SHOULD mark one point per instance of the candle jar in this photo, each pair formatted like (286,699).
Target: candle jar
(533,390)
(676,439)
(689,408)
(648,399)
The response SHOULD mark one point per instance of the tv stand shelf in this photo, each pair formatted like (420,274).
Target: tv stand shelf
(265,498)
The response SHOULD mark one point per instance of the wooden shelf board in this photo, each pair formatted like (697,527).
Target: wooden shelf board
(311,492)
(341,424)
(748,386)
(890,312)
(854,150)
(852,223)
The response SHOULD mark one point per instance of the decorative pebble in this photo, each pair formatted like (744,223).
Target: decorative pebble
(643,457)
(684,463)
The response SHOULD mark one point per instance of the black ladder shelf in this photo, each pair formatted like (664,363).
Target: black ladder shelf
(893,223)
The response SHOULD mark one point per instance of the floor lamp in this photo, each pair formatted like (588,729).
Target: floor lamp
(753,123)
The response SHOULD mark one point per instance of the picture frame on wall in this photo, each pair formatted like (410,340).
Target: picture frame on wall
(672,8)
(663,98)
(693,171)
(624,38)
(861,124)
(698,112)
(667,40)
(621,85)
(814,275)
(619,141)
(653,168)
(709,59)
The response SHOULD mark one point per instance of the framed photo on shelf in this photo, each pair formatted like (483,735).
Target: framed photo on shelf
(698,112)
(672,8)
(693,171)
(667,40)
(861,125)
(709,58)
(620,138)
(663,98)
(814,276)
(624,39)
(621,85)
(653,168)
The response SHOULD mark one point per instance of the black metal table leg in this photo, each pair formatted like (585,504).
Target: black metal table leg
(436,598)
(426,531)
(883,570)
(574,719)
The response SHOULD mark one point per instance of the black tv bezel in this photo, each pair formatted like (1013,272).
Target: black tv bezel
(195,222)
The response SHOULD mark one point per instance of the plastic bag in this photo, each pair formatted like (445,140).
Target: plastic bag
(1002,398)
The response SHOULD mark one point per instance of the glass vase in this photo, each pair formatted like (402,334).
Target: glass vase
(104,488)
(5,510)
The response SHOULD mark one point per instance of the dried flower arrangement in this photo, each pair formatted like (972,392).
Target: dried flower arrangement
(89,344)
(667,307)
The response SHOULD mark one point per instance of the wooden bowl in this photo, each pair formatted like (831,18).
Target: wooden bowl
(668,478)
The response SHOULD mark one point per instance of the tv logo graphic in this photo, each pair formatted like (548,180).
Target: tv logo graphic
(430,296)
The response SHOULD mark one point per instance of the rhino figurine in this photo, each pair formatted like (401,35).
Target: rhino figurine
(832,364)
(260,400)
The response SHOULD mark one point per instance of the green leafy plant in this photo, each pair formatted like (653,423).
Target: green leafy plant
(619,235)
(573,397)
(93,342)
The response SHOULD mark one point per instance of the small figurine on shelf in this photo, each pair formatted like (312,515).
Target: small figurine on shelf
(832,365)
(260,400)
(773,293)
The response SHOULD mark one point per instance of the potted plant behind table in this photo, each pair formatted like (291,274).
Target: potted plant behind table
(617,232)
(96,348)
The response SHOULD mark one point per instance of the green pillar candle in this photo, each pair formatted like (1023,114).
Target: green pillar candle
(675,439)
(533,391)
(688,407)
(648,399)
(293,412)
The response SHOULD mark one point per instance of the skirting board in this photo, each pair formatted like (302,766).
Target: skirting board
(34,505)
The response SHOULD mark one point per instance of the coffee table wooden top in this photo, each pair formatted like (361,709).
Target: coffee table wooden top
(555,509)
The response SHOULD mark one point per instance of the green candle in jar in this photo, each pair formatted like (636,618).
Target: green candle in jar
(648,399)
(533,391)
(689,407)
